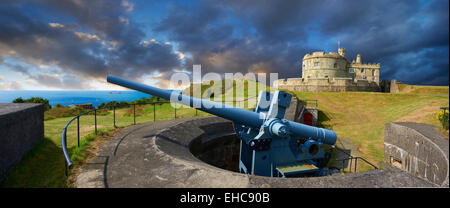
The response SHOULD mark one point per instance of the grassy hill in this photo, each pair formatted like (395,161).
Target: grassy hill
(423,89)
(43,166)
(241,92)
(361,116)
(358,116)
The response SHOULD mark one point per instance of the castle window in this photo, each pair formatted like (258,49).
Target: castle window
(316,63)
(351,70)
(335,65)
(362,70)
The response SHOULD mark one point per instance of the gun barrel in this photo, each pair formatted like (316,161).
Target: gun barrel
(237,115)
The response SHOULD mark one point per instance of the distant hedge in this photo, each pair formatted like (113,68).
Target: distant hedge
(123,104)
(44,101)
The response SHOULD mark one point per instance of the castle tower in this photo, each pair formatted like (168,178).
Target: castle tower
(342,51)
(358,59)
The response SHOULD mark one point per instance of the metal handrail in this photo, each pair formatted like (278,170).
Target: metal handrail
(316,104)
(351,158)
(68,162)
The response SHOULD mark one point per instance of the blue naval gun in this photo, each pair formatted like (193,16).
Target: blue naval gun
(269,144)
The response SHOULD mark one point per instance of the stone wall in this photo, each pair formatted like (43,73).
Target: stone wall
(326,85)
(321,65)
(385,86)
(418,149)
(21,128)
(394,87)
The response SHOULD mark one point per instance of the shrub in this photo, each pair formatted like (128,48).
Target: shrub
(63,111)
(442,116)
(111,104)
(44,101)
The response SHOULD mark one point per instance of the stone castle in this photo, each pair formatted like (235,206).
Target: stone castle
(331,72)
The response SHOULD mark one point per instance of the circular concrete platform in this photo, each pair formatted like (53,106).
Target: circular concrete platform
(158,155)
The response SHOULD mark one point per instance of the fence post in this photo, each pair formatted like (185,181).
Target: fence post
(154,112)
(175,111)
(65,162)
(95,119)
(78,130)
(350,167)
(134,113)
(196,112)
(65,165)
(114,111)
(356,164)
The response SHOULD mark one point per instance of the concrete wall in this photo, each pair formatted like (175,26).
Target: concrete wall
(21,128)
(418,149)
(188,171)
(295,108)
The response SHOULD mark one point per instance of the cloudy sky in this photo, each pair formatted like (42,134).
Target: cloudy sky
(74,44)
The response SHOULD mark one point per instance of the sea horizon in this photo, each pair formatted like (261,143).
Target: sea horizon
(68,97)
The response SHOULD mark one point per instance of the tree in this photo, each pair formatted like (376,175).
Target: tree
(18,100)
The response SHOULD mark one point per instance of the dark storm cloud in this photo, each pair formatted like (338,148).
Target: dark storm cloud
(203,33)
(64,82)
(16,67)
(409,38)
(387,32)
(100,40)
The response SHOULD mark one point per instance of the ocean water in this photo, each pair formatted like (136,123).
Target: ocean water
(66,97)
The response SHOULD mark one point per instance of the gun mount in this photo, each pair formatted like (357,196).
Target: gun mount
(270,145)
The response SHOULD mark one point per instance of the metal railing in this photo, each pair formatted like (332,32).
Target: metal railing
(312,104)
(353,165)
(68,162)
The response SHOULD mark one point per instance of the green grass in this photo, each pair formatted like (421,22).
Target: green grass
(43,166)
(361,116)
(423,89)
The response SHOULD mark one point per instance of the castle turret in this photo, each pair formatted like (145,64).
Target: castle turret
(342,51)
(358,59)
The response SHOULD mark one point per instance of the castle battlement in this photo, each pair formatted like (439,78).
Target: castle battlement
(332,72)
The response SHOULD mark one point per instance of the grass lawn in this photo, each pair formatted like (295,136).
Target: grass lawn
(361,116)
(43,166)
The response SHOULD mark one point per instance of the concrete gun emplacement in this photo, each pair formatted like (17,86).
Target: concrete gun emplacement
(270,145)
